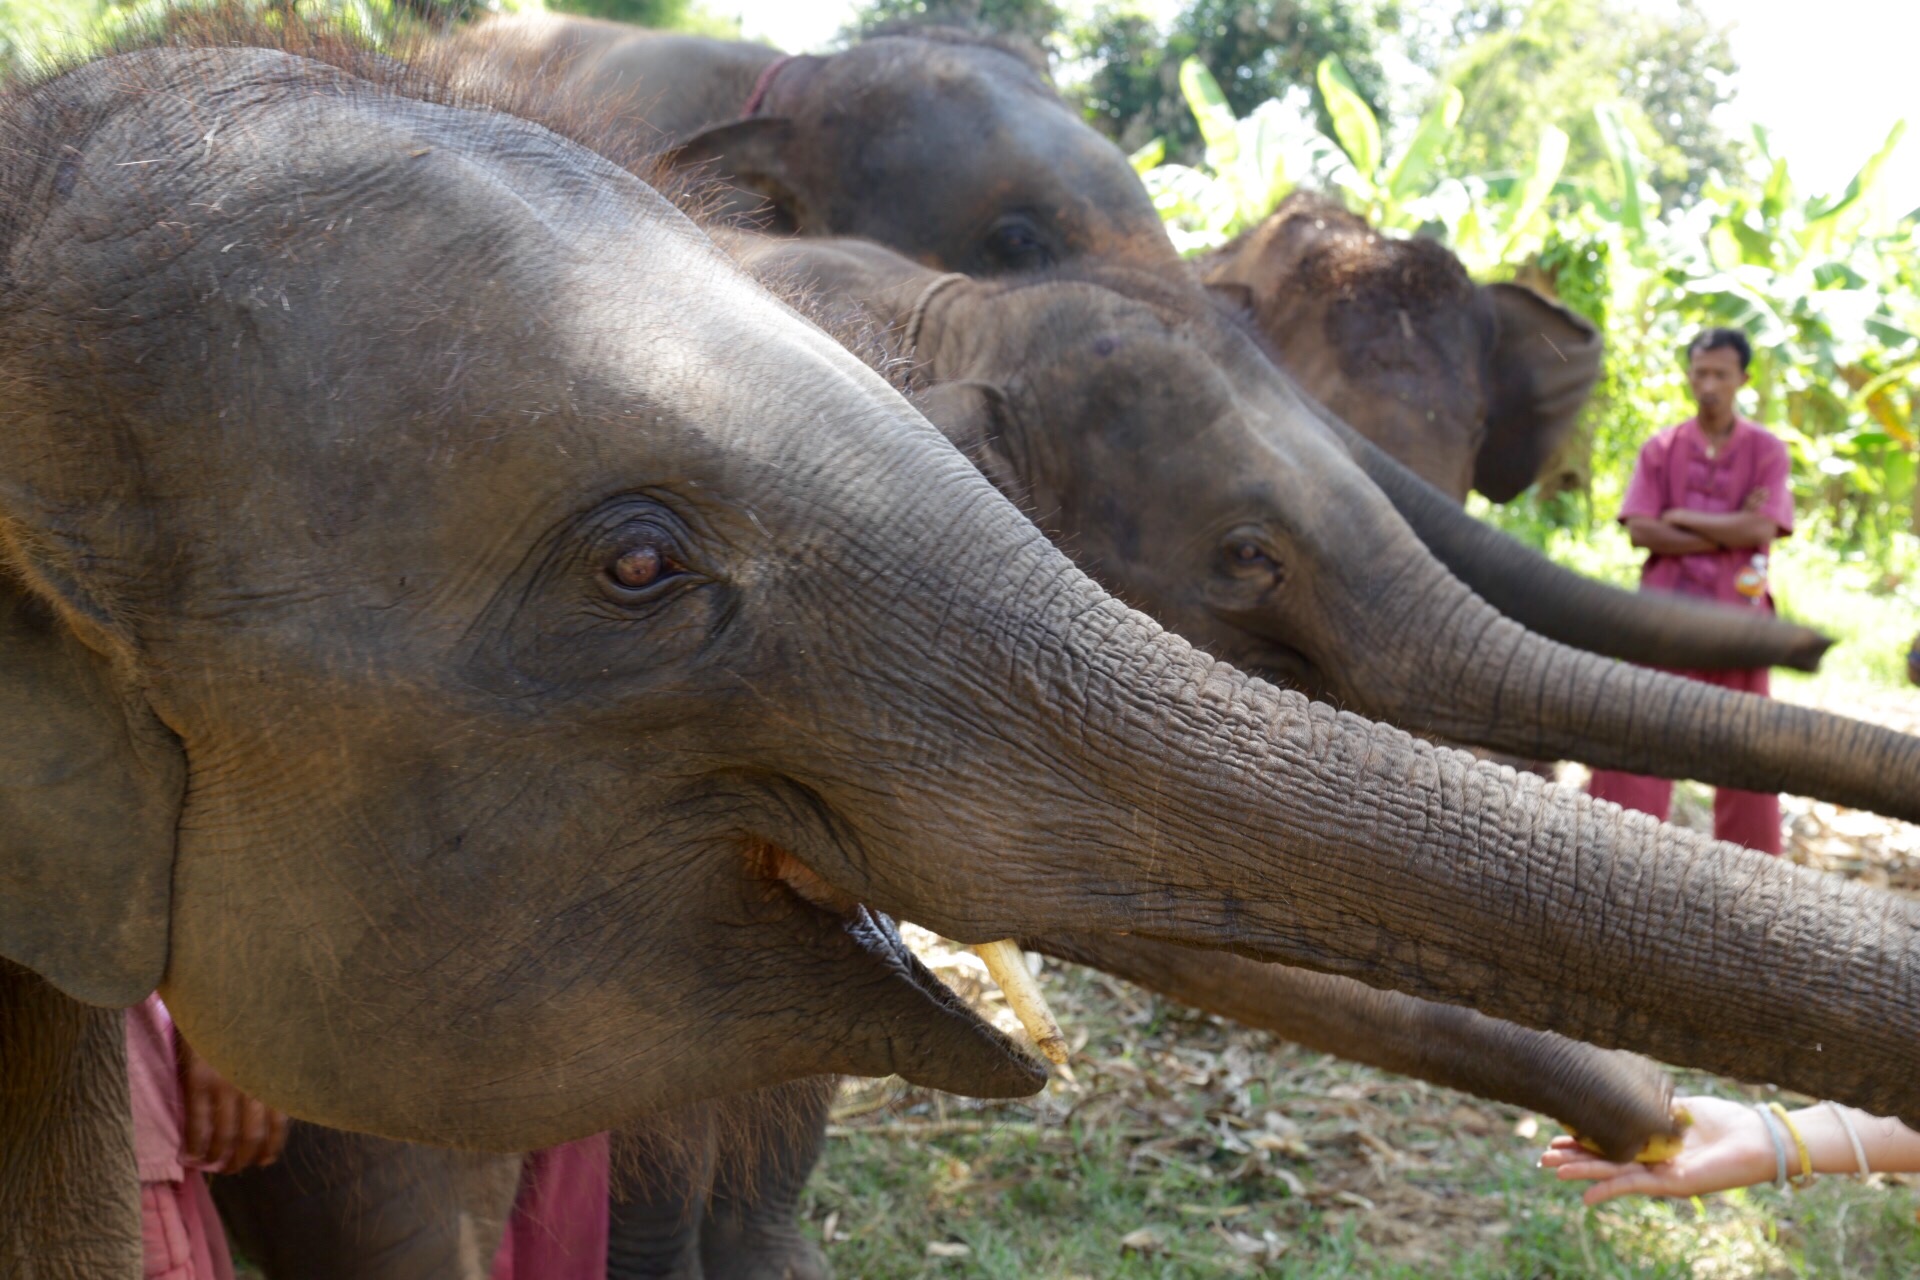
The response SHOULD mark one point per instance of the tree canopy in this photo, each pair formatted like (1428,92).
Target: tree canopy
(1519,65)
(1256,50)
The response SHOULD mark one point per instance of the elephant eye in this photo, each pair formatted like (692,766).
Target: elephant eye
(639,568)
(1246,552)
(642,567)
(1015,244)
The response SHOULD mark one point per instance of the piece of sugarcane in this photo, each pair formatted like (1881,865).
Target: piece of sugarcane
(1008,968)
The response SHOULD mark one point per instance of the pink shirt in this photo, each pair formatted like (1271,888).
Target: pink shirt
(1677,469)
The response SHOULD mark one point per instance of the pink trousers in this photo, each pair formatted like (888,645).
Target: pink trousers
(180,1231)
(1751,818)
(559,1226)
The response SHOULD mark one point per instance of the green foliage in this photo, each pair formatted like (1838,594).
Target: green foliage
(1251,163)
(1663,69)
(32,31)
(1659,72)
(1827,287)
(1262,50)
(645,13)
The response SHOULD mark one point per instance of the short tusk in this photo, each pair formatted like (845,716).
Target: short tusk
(1008,968)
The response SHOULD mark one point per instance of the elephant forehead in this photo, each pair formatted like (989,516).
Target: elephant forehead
(357,341)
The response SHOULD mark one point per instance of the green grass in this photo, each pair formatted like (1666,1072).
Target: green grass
(1059,1205)
(1180,1146)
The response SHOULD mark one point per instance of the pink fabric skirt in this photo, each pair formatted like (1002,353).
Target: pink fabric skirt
(559,1226)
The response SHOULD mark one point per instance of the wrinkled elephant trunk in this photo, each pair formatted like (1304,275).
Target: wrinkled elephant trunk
(1168,796)
(1442,661)
(1616,1100)
(1653,629)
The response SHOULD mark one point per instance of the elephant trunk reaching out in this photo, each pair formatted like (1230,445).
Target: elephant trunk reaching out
(1432,655)
(1615,1100)
(1155,443)
(1568,877)
(1648,628)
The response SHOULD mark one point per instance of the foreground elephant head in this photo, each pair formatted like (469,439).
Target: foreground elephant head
(1469,386)
(953,148)
(491,664)
(1148,434)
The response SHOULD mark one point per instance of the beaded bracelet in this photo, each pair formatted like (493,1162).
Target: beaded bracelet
(1779,1144)
(1853,1136)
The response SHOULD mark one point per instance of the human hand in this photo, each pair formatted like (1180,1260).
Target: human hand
(1727,1146)
(226,1130)
(1756,500)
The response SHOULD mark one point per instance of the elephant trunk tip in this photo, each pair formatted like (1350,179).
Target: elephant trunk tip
(1808,650)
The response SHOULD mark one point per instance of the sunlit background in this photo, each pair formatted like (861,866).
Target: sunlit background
(1827,77)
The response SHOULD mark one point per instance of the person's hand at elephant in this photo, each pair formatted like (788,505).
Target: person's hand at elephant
(1733,1144)
(226,1131)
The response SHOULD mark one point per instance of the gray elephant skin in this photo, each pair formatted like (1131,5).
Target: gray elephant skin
(490,665)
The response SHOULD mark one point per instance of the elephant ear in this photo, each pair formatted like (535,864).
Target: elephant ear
(1545,362)
(90,789)
(751,163)
(978,419)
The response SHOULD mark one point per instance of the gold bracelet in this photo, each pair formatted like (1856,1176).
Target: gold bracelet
(1806,1160)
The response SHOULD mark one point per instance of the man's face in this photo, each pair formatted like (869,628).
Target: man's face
(1715,376)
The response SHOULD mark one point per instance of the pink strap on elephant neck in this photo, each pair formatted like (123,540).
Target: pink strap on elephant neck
(758,97)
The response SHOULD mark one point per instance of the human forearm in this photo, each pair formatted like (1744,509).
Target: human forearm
(1889,1146)
(1664,539)
(1730,529)
(1730,1146)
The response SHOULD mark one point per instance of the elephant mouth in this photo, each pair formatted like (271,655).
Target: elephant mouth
(952,1047)
(876,933)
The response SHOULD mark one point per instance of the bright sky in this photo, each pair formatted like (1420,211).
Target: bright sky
(1829,77)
